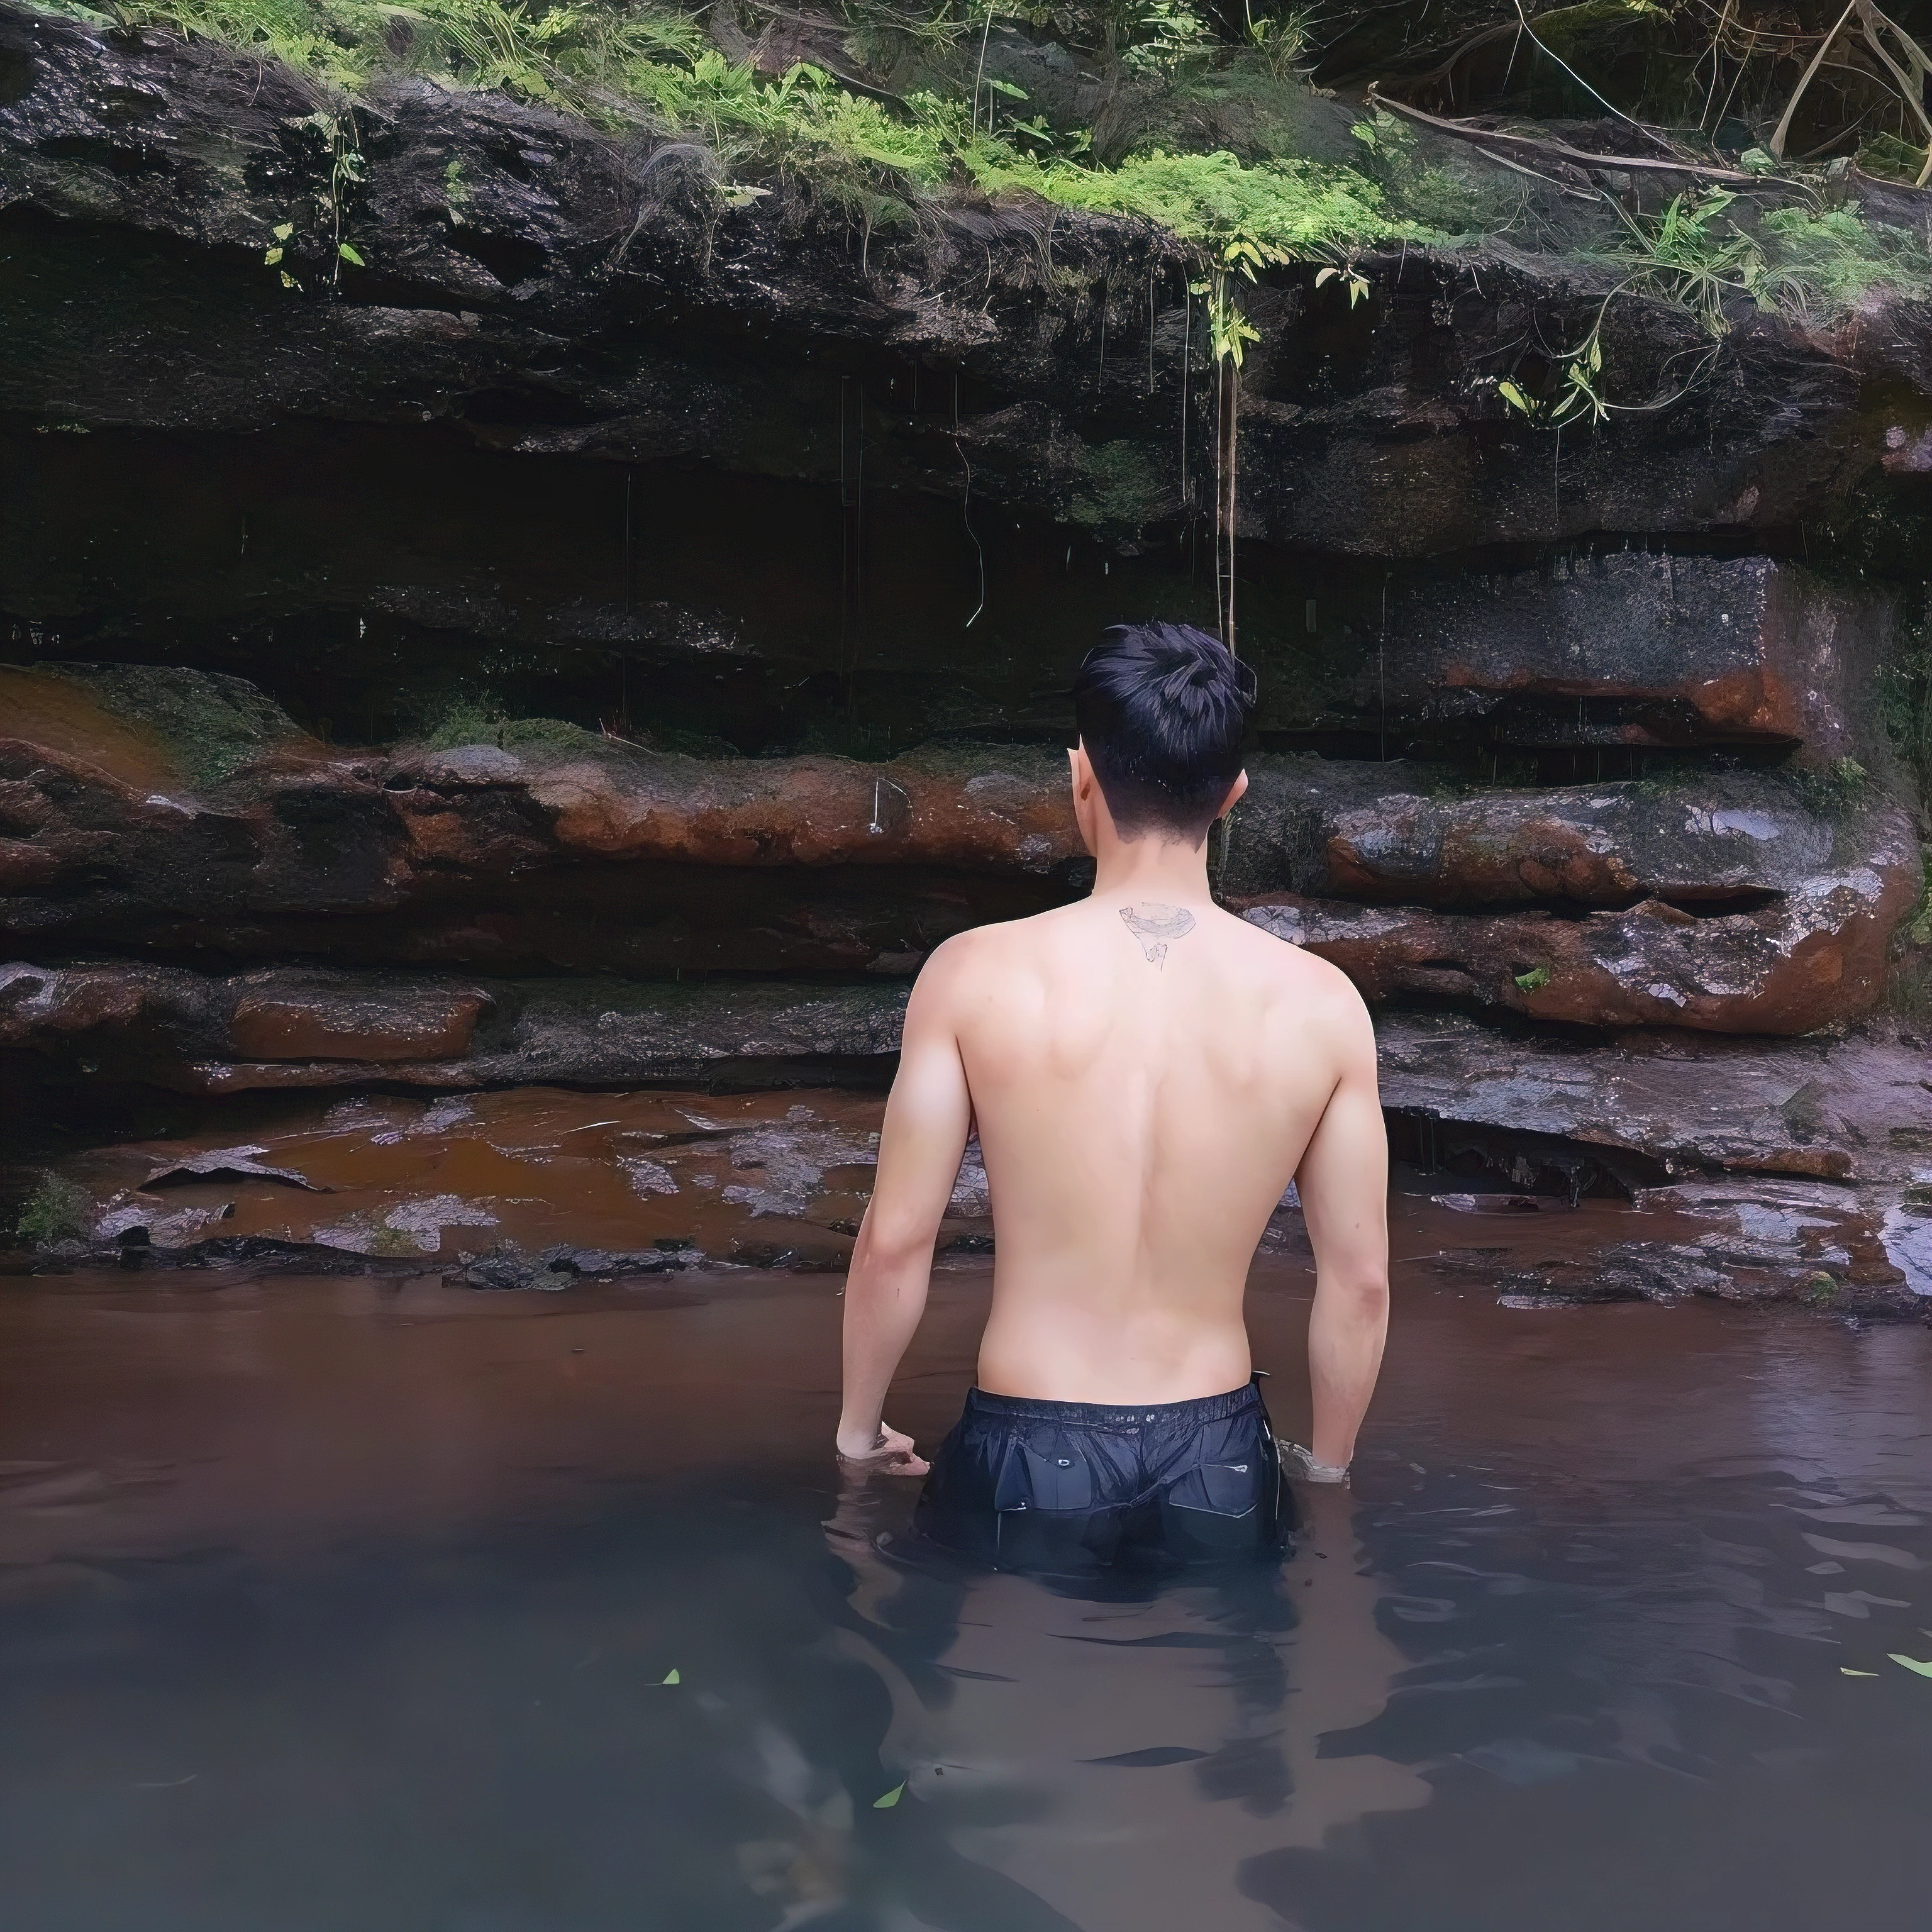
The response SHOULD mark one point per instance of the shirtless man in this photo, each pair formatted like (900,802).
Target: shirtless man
(1146,1073)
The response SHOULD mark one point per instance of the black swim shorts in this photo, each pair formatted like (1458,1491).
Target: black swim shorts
(1067,1486)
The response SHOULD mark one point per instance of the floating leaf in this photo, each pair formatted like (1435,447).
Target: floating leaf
(289,281)
(271,256)
(891,1798)
(1534,981)
(283,230)
(1846,1670)
(670,1677)
(1911,1664)
(348,254)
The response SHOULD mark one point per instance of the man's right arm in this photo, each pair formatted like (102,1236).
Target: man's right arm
(1343,1183)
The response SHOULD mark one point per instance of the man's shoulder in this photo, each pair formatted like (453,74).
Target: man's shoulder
(1302,991)
(1290,967)
(970,956)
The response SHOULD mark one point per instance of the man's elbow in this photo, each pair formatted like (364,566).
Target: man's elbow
(890,1242)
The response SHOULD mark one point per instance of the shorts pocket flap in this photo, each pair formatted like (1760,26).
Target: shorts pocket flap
(1059,1481)
(1224,1489)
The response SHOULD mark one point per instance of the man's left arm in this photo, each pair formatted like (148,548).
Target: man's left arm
(927,1119)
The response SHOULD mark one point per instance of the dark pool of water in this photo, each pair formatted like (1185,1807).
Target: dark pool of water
(334,1605)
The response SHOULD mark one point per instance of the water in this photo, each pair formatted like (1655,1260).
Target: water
(340,1604)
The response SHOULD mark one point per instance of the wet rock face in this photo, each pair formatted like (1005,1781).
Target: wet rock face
(591,299)
(1360,831)
(192,1032)
(537,1188)
(1631,650)
(1736,902)
(578,443)
(1810,955)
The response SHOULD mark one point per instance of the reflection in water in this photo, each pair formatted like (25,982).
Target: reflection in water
(1035,1758)
(330,1605)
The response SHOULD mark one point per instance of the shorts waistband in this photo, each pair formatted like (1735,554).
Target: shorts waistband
(1110,1415)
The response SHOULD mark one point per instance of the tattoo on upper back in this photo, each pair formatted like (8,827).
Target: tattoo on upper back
(1153,925)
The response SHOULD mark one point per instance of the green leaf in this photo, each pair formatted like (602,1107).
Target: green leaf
(670,1677)
(1515,399)
(1846,1670)
(348,254)
(1535,980)
(1007,88)
(283,230)
(271,256)
(1911,1664)
(891,1798)
(289,281)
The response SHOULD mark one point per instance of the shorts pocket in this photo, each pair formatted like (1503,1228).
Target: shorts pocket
(1220,1511)
(1219,1489)
(1057,1479)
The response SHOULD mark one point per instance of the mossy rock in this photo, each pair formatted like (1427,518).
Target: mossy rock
(208,722)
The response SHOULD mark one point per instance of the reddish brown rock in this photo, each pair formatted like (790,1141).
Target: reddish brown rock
(1808,957)
(1633,650)
(588,855)
(1770,1169)
(168,1027)
(572,852)
(404,1025)
(1362,831)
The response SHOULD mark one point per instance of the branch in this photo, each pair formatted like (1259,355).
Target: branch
(1560,150)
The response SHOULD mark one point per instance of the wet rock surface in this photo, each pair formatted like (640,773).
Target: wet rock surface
(594,300)
(304,580)
(1806,957)
(542,1190)
(173,1028)
(1740,900)
(1631,649)
(1806,1162)
(533,1188)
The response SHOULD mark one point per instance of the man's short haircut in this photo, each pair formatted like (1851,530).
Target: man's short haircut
(1161,708)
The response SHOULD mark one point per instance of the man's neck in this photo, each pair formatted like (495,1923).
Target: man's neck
(1168,870)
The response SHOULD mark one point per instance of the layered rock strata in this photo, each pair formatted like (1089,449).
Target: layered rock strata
(1629,650)
(1815,953)
(1817,1107)
(585,440)
(590,295)
(1746,1186)
(1736,902)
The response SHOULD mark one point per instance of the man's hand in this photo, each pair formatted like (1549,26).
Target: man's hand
(887,1453)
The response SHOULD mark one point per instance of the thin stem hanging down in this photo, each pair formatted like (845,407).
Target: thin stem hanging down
(1229,334)
(1227,412)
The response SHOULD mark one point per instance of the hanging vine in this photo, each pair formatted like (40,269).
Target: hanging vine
(1229,332)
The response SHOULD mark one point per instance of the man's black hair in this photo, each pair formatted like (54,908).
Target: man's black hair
(1161,708)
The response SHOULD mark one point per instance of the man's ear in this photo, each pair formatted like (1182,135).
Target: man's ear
(1087,798)
(1236,793)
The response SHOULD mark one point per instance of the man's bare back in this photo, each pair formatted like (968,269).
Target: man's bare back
(1147,1074)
